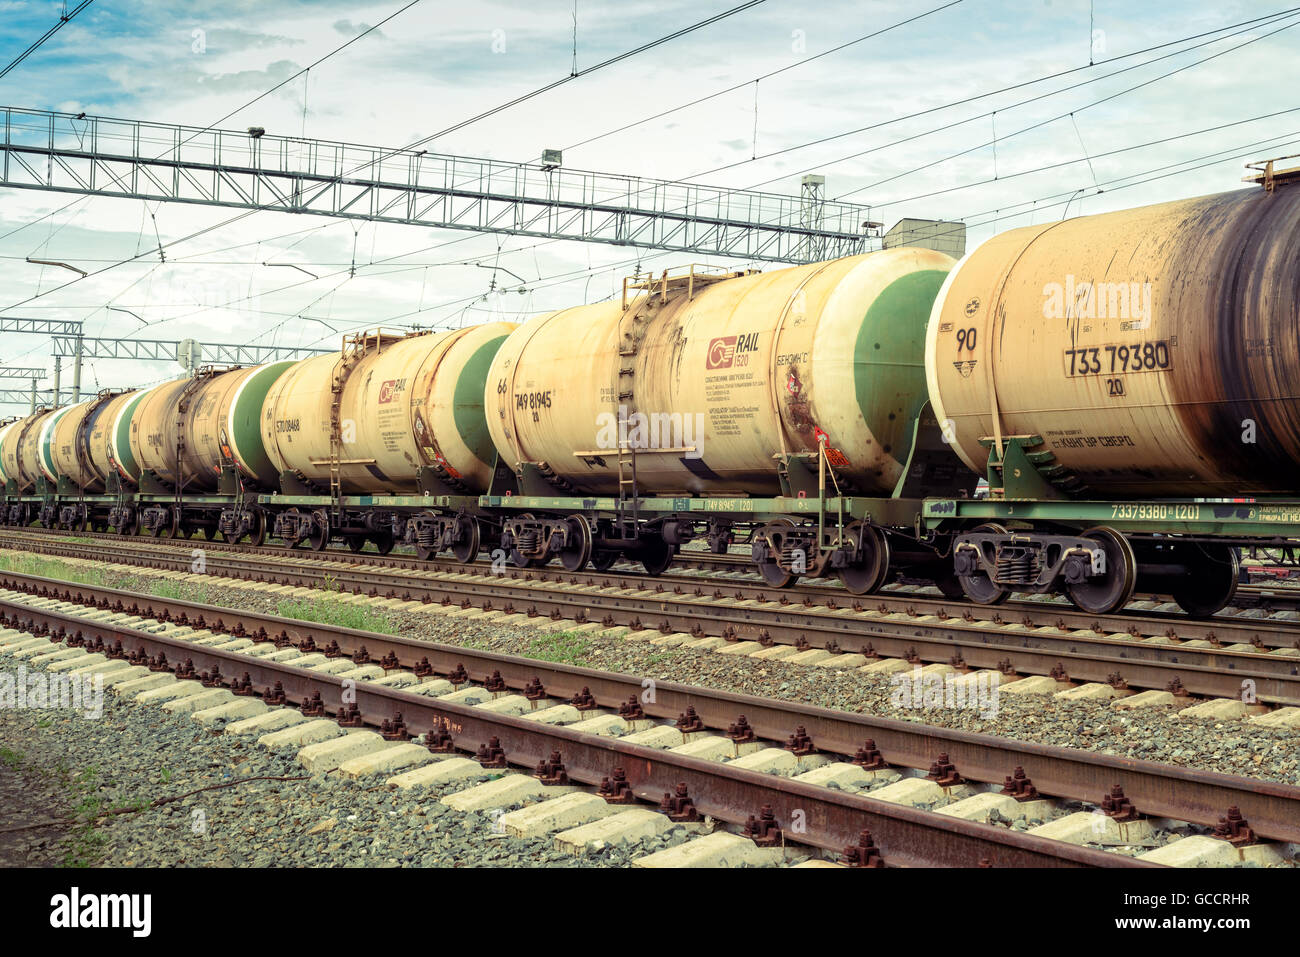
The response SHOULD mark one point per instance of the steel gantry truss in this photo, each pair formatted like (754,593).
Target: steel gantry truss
(67,340)
(21,397)
(212,353)
(101,156)
(47,327)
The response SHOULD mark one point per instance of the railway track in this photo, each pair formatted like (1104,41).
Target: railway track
(723,748)
(692,564)
(1139,651)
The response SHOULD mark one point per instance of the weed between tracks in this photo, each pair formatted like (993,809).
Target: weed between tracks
(343,614)
(563,647)
(26,563)
(181,591)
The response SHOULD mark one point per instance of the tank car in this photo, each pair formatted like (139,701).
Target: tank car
(737,387)
(20,459)
(395,415)
(1144,360)
(188,434)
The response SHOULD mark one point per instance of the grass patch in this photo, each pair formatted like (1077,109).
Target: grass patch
(563,647)
(10,758)
(25,563)
(85,844)
(343,614)
(179,591)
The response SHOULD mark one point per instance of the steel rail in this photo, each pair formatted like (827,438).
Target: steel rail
(1124,662)
(1272,808)
(834,819)
(1029,612)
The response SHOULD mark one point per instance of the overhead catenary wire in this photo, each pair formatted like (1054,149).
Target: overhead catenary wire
(1231,30)
(1114,152)
(587,71)
(473,237)
(601,65)
(1254,22)
(64,19)
(1061,116)
(340,48)
(763,76)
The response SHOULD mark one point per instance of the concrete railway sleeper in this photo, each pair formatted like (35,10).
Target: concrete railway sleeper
(1091,654)
(807,795)
(379,662)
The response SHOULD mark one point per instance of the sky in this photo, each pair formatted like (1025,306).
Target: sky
(1094,125)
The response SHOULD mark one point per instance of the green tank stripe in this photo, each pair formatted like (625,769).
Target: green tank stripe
(245,421)
(47,441)
(889,358)
(121,438)
(467,401)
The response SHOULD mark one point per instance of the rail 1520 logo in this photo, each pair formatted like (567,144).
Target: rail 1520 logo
(728,351)
(388,390)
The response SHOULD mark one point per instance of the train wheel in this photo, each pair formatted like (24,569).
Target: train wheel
(949,586)
(1211,581)
(870,567)
(761,555)
(979,588)
(466,549)
(355,542)
(383,542)
(603,561)
(1109,593)
(319,536)
(212,533)
(656,554)
(257,535)
(577,553)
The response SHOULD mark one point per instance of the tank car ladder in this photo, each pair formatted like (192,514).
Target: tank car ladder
(179,479)
(353,350)
(628,346)
(643,311)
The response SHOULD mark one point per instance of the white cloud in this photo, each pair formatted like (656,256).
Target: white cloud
(435,65)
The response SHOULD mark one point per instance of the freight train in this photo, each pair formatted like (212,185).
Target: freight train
(1124,382)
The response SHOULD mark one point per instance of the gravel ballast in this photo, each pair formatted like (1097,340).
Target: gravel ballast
(98,779)
(1153,734)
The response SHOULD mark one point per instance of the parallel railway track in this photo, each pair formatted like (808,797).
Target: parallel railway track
(905,836)
(1137,651)
(734,572)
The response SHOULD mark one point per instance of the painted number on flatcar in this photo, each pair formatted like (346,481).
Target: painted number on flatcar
(1160,512)
(1153,356)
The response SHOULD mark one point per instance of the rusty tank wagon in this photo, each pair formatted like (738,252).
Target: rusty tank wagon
(1123,383)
